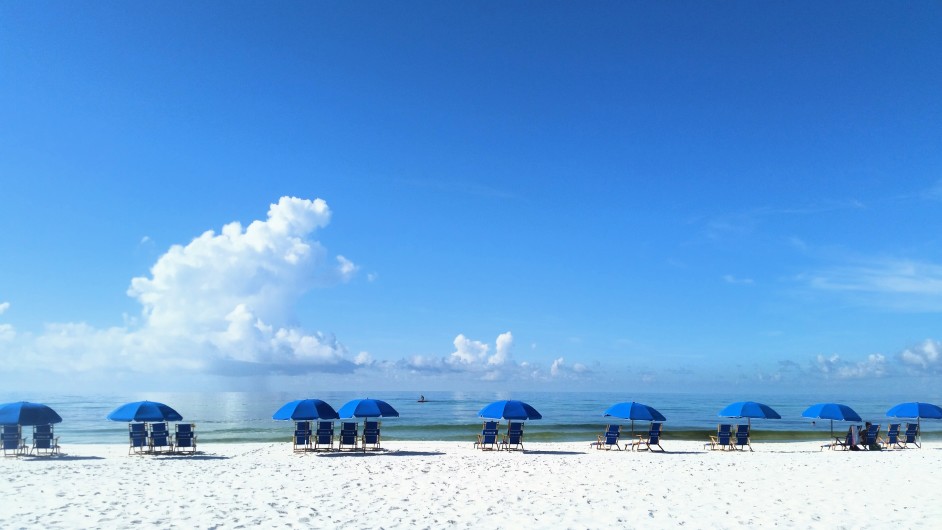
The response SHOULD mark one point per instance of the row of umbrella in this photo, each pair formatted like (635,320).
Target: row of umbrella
(316,409)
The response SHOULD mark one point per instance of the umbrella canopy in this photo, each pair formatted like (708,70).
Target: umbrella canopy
(144,411)
(915,409)
(305,409)
(749,409)
(26,413)
(510,410)
(367,408)
(630,410)
(831,411)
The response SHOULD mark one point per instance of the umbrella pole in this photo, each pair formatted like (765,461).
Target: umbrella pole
(832,428)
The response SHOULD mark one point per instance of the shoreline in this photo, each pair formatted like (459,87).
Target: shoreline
(436,484)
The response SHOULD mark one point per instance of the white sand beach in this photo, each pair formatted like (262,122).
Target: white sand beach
(450,484)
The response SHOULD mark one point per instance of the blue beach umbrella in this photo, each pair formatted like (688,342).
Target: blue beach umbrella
(367,408)
(749,410)
(831,411)
(631,410)
(510,410)
(144,411)
(915,409)
(26,413)
(304,410)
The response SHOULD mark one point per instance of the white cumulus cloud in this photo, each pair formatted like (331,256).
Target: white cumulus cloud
(223,303)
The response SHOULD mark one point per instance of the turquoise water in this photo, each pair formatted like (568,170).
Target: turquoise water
(246,417)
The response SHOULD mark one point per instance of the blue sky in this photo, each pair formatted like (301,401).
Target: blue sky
(537,195)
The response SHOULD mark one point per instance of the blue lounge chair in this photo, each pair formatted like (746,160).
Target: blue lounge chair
(44,441)
(13,441)
(160,438)
(370,435)
(514,437)
(137,432)
(488,439)
(892,436)
(348,435)
(609,438)
(654,438)
(843,443)
(723,439)
(742,437)
(184,439)
(324,436)
(302,436)
(911,436)
(871,438)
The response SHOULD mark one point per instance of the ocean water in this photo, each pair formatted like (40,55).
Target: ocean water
(228,417)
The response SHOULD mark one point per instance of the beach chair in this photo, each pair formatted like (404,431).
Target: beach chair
(137,432)
(44,441)
(892,437)
(184,439)
(514,437)
(654,438)
(871,438)
(348,436)
(844,443)
(910,436)
(370,435)
(742,437)
(723,439)
(13,442)
(302,436)
(159,440)
(609,438)
(488,439)
(324,436)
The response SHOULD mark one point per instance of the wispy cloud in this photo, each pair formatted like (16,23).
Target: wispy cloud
(733,280)
(747,221)
(898,284)
(459,187)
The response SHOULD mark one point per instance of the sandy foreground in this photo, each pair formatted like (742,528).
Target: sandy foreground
(450,484)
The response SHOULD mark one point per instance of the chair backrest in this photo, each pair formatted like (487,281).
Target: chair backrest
(515,427)
(11,437)
(325,427)
(654,436)
(724,434)
(159,434)
(137,432)
(371,429)
(489,426)
(348,433)
(184,428)
(41,430)
(894,429)
(742,435)
(614,428)
(303,426)
(872,434)
(302,437)
(611,438)
(911,431)
(489,437)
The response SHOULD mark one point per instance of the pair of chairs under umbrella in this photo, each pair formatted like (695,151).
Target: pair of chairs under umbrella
(515,412)
(304,411)
(148,431)
(15,416)
(726,438)
(633,411)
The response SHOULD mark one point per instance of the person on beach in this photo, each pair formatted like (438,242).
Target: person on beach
(854,434)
